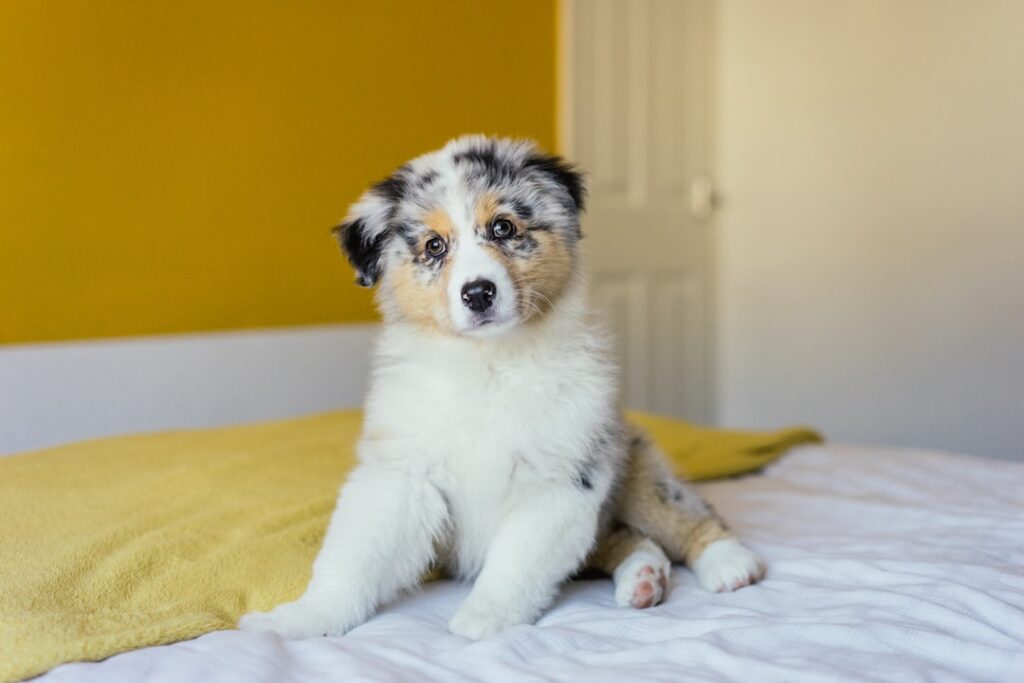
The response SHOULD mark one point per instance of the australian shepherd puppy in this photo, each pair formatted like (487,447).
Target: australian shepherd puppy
(493,445)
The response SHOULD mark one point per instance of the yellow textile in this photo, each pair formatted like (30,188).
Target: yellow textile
(121,543)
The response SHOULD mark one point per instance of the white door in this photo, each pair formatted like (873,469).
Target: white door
(634,79)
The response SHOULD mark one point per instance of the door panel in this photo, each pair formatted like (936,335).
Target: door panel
(635,100)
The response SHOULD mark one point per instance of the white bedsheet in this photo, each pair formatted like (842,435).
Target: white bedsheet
(889,565)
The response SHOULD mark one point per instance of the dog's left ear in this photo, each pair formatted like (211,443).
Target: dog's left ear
(571,180)
(365,231)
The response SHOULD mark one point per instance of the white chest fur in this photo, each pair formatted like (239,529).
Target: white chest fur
(486,421)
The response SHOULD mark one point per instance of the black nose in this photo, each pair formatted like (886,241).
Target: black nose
(478,295)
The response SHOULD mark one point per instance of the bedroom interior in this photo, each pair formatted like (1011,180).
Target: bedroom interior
(801,213)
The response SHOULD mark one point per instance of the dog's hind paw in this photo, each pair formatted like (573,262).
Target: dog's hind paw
(641,580)
(727,565)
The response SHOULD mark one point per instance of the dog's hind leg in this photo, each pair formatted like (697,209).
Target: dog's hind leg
(671,513)
(636,564)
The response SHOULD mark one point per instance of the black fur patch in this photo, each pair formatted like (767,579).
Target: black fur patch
(392,188)
(484,155)
(666,493)
(672,492)
(363,254)
(427,178)
(522,209)
(584,478)
(407,233)
(601,444)
(486,164)
(564,173)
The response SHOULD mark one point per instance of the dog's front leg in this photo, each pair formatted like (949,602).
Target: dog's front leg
(539,545)
(379,542)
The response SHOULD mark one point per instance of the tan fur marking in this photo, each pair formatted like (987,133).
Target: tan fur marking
(700,536)
(542,277)
(420,302)
(417,300)
(683,531)
(486,209)
(440,222)
(614,548)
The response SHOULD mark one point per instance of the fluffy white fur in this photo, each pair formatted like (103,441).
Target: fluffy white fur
(471,444)
(727,565)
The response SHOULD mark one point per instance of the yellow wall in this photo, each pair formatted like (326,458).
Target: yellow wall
(176,165)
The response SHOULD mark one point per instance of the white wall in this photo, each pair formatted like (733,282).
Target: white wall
(53,393)
(870,156)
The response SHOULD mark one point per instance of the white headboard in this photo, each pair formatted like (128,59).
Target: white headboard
(58,392)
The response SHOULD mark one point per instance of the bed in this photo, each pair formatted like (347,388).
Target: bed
(884,564)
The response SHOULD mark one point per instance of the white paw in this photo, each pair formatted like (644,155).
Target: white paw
(478,622)
(727,565)
(641,580)
(292,620)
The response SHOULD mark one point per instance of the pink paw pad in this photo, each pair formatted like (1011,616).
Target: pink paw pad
(651,585)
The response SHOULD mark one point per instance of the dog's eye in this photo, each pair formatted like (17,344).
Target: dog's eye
(436,247)
(502,229)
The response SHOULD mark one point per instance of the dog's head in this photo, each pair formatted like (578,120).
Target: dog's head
(473,239)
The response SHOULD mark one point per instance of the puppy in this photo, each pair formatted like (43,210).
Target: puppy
(493,445)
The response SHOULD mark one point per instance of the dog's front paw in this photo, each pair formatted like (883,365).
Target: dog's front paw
(727,565)
(478,622)
(292,620)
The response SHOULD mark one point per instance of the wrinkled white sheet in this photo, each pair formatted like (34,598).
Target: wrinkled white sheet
(889,565)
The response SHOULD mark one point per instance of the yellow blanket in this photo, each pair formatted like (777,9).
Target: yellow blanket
(120,543)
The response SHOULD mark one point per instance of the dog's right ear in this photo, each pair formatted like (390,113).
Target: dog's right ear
(363,248)
(365,231)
